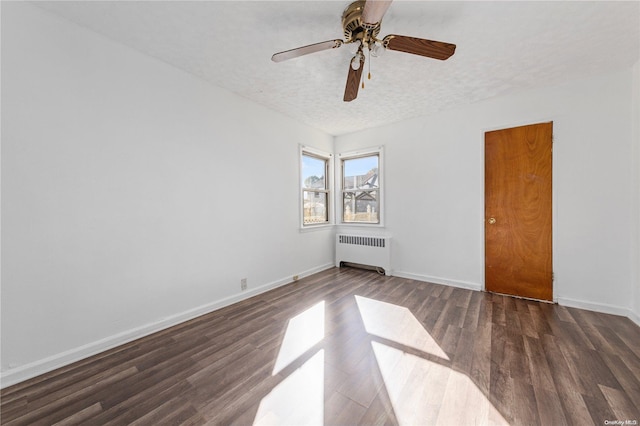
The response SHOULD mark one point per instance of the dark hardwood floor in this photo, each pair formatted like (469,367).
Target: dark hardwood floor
(348,346)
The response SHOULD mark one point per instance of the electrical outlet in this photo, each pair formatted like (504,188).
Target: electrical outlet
(243,284)
(295,278)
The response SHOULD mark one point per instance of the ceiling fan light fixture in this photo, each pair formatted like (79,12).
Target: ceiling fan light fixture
(355,62)
(377,50)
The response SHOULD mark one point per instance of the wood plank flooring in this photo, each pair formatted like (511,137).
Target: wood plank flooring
(349,346)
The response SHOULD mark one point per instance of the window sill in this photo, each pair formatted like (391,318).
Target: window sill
(312,228)
(360,225)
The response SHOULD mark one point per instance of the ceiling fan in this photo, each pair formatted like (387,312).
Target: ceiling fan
(361,24)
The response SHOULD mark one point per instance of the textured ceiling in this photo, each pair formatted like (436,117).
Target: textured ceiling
(502,47)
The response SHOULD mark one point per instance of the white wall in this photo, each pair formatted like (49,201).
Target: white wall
(636,191)
(134,195)
(434,168)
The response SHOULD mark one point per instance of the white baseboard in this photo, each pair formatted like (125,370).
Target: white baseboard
(599,307)
(572,303)
(42,366)
(437,280)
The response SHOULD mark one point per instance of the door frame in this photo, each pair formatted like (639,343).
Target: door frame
(554,195)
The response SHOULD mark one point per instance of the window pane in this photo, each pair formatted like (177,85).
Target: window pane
(313,170)
(360,206)
(315,207)
(361,173)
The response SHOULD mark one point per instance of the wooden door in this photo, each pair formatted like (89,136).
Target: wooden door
(518,213)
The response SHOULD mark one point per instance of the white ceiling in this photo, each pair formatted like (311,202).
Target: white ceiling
(502,47)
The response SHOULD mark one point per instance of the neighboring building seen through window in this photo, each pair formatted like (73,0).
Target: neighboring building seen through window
(315,188)
(361,189)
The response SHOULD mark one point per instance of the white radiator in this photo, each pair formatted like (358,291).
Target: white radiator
(364,250)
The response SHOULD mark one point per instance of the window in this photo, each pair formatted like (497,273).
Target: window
(316,195)
(360,189)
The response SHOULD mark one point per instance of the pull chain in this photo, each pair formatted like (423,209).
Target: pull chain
(369,72)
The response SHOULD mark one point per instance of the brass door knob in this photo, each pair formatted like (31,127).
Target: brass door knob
(492,220)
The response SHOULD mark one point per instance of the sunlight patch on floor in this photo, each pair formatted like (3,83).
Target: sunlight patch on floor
(303,332)
(298,399)
(397,323)
(427,392)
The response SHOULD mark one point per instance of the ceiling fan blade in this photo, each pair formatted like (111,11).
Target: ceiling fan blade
(353,81)
(374,10)
(305,50)
(420,46)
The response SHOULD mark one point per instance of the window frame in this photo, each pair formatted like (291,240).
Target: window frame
(328,187)
(340,190)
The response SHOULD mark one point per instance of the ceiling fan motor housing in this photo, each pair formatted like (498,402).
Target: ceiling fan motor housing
(354,28)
